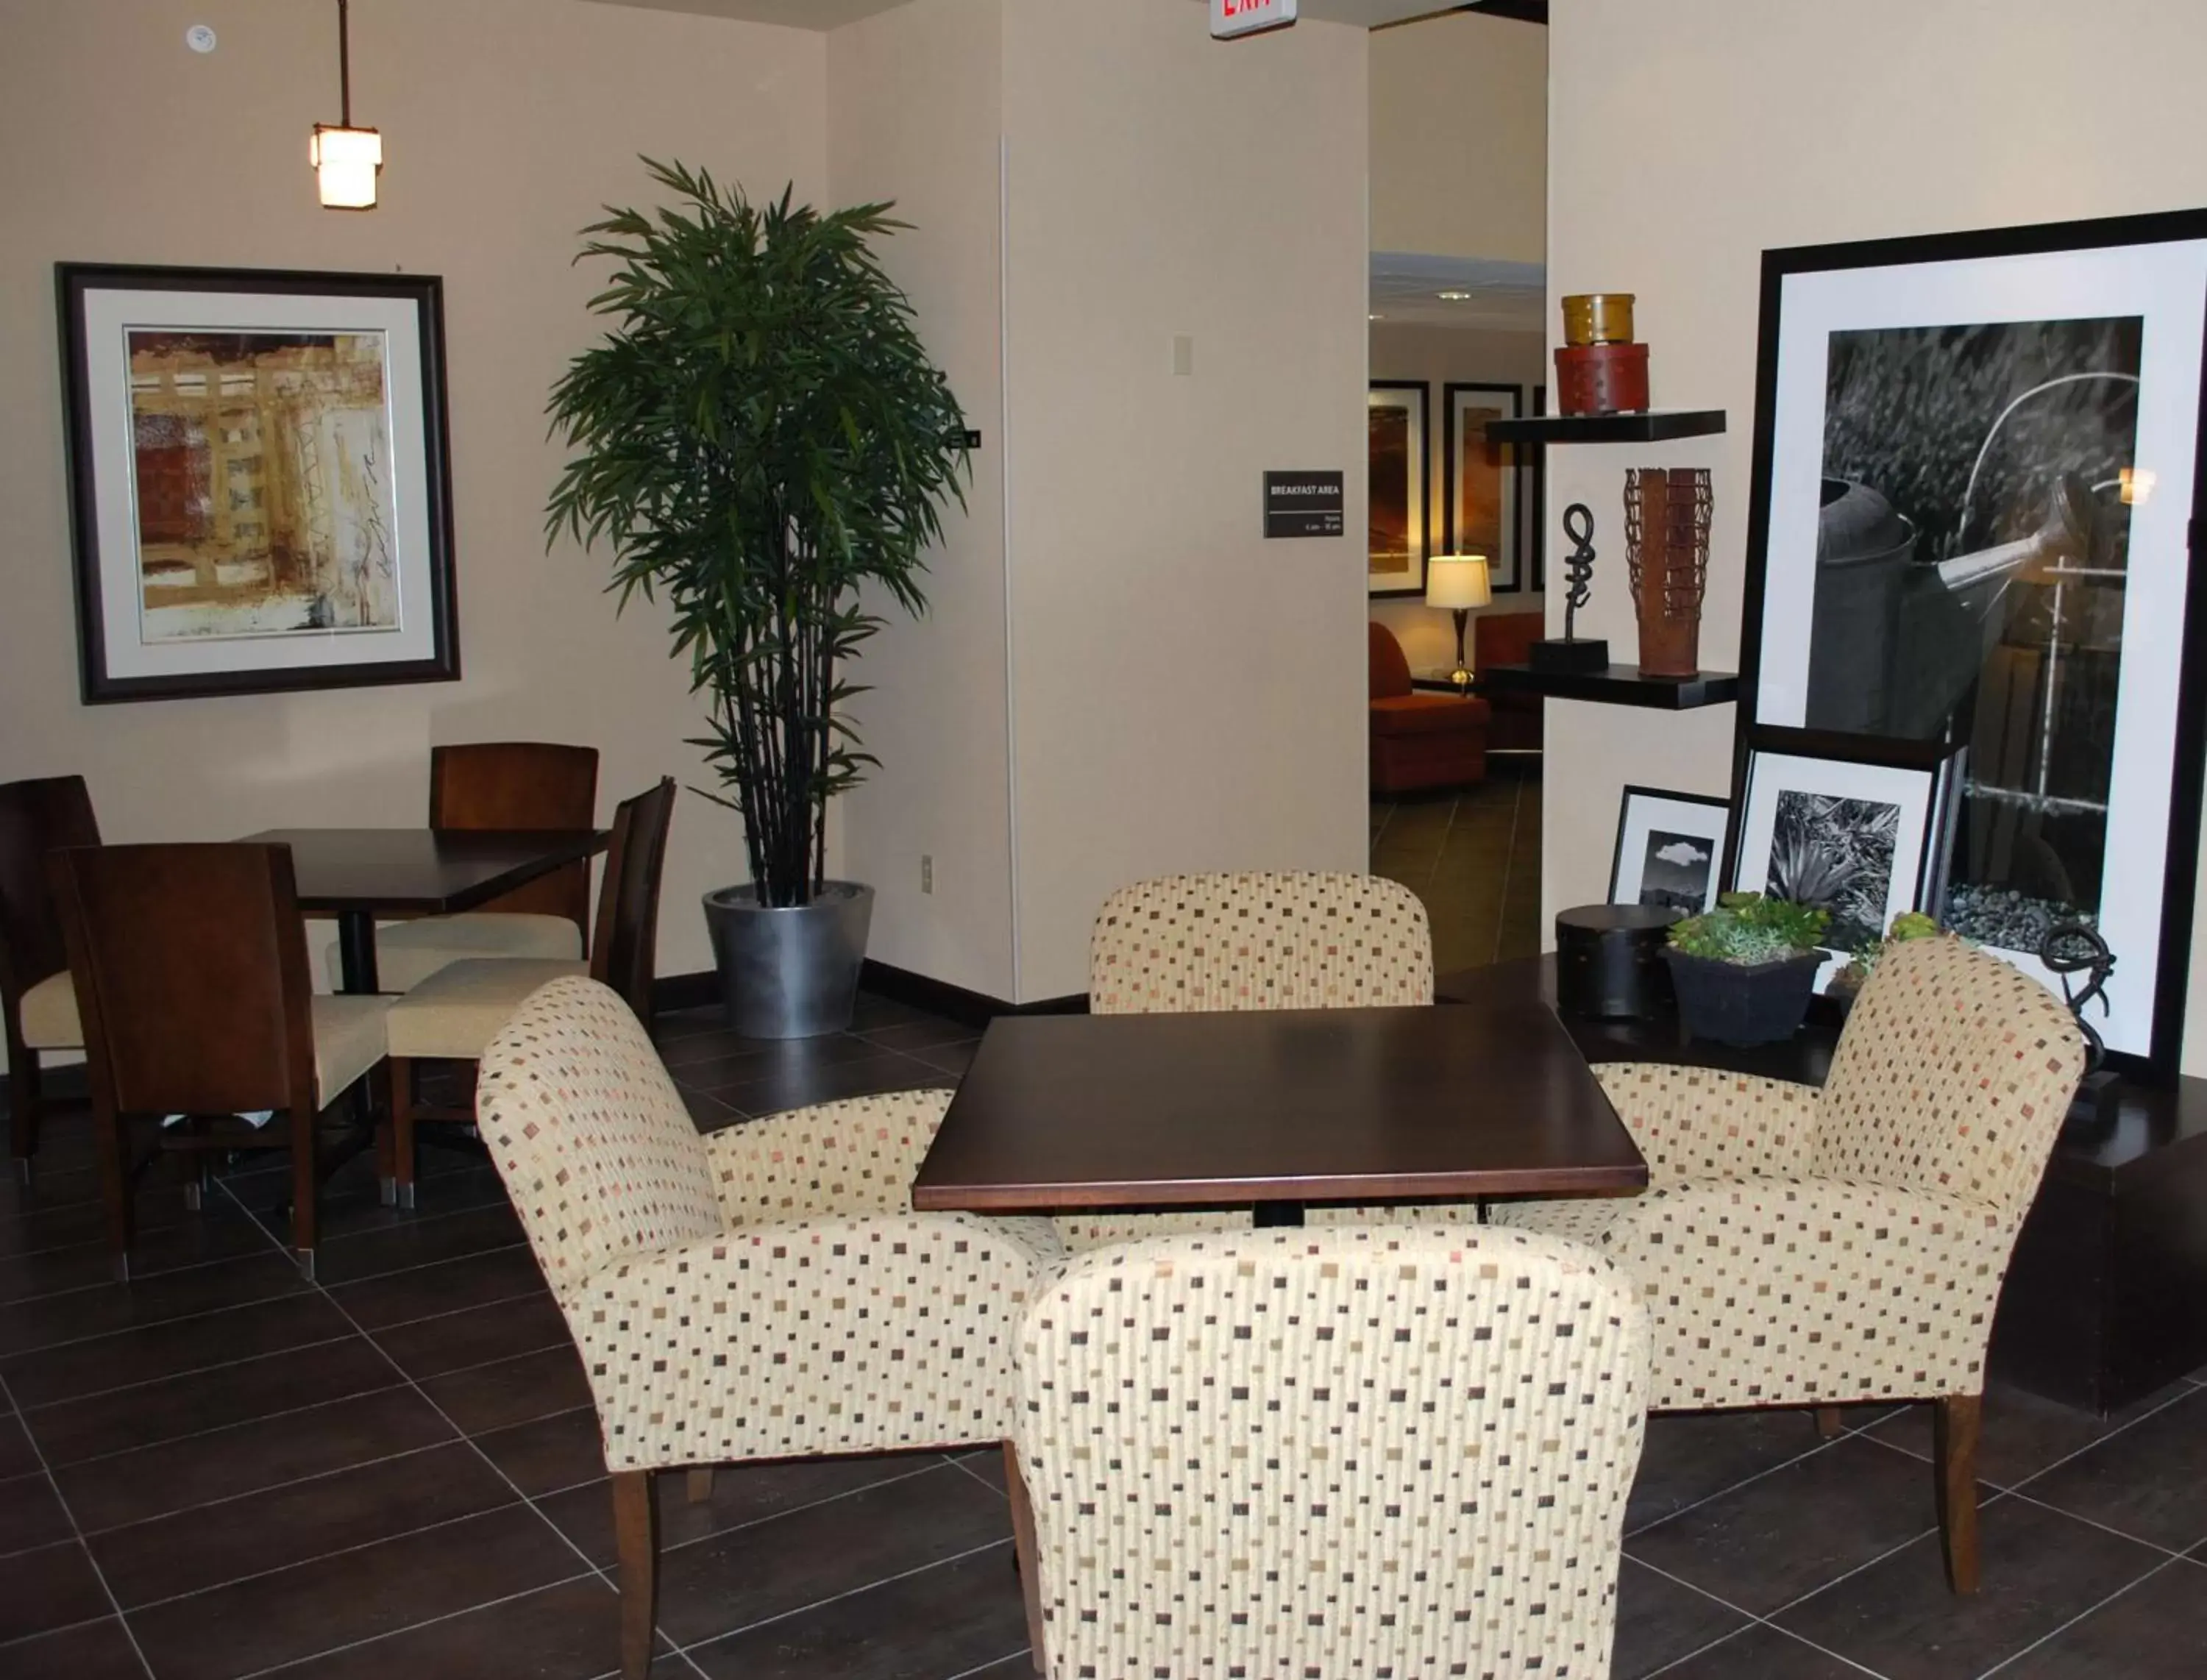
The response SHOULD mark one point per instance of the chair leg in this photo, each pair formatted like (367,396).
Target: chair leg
(386,1171)
(402,1128)
(1954,1465)
(114,1186)
(305,1186)
(1827,1422)
(1023,1549)
(701,1483)
(24,1107)
(636,1536)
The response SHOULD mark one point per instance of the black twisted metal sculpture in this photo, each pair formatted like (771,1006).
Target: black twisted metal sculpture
(1578,565)
(2076,948)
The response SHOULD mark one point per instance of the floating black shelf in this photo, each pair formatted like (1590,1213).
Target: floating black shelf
(1650,425)
(1620,685)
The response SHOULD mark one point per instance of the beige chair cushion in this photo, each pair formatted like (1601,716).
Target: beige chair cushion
(409,952)
(457,1010)
(49,1019)
(348,1042)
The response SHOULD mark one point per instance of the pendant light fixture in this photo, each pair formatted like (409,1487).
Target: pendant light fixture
(346,159)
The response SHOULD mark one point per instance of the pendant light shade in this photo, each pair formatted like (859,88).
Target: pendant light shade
(346,159)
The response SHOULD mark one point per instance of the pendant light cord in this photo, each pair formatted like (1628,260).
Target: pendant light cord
(344,62)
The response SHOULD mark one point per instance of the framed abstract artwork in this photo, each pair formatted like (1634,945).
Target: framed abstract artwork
(1398,417)
(260,492)
(1977,464)
(1670,850)
(1479,478)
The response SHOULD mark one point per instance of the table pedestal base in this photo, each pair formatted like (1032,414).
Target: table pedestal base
(1272,1215)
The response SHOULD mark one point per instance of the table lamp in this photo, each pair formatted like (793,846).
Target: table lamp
(1459,583)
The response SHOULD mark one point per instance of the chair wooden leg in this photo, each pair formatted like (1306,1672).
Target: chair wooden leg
(1827,1422)
(1023,1548)
(402,1128)
(114,1185)
(701,1483)
(305,1187)
(1954,1465)
(635,1537)
(25,1104)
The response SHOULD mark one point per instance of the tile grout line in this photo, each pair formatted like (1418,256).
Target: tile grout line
(1672,1516)
(273,1487)
(99,1573)
(1509,864)
(848,1593)
(217,1429)
(193,1371)
(997,1662)
(2089,1610)
(428,1622)
(969,1470)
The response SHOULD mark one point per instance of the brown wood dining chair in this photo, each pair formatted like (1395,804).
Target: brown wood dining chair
(497,784)
(451,1016)
(190,964)
(37,1003)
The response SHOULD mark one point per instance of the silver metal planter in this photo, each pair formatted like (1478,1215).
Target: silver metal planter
(790,973)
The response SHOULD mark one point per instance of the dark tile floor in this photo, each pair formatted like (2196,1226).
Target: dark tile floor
(221,1470)
(1474,858)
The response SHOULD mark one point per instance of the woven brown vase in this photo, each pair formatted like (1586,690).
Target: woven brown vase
(1666,533)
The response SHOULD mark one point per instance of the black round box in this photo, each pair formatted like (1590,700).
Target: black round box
(1609,961)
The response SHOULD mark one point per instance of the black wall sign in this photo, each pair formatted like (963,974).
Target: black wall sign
(1302,505)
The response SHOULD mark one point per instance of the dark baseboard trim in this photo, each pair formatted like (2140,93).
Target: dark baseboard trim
(902,985)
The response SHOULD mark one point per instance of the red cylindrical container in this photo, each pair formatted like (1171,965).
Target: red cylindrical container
(1601,378)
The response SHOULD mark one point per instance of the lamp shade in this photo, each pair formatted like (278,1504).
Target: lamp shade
(346,163)
(1457,581)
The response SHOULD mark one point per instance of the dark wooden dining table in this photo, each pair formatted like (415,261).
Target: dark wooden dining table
(1273,1110)
(356,874)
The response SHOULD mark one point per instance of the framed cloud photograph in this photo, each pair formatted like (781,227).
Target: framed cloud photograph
(1976,465)
(260,493)
(1480,481)
(1670,850)
(1397,417)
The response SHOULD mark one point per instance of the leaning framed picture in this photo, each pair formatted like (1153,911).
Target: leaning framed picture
(1978,464)
(1479,479)
(260,488)
(1845,826)
(1397,416)
(1670,850)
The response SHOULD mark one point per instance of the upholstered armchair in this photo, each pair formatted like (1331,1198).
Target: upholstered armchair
(1800,1247)
(1259,940)
(1348,1452)
(1420,740)
(765,1292)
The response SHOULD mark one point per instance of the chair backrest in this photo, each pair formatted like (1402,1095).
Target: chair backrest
(1389,671)
(623,949)
(36,817)
(1294,939)
(1379,1452)
(1954,1074)
(598,1152)
(520,785)
(190,967)
(1505,638)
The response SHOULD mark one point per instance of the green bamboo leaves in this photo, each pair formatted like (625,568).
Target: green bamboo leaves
(759,435)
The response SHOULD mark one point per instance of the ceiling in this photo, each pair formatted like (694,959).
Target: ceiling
(1503,296)
(833,14)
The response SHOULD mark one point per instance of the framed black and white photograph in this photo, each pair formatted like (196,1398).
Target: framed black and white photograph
(1479,479)
(1850,835)
(1397,417)
(1670,850)
(1976,462)
(261,496)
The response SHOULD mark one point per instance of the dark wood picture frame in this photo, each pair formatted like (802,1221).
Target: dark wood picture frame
(1505,572)
(2188,768)
(1420,491)
(1719,865)
(74,283)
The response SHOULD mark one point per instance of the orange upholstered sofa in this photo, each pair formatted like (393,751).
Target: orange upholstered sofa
(1420,740)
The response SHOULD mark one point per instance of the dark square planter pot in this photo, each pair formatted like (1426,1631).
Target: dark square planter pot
(1741,1004)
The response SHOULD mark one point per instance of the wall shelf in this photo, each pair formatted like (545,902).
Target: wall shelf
(1649,426)
(1620,685)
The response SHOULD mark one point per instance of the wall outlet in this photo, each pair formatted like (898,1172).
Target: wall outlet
(926,871)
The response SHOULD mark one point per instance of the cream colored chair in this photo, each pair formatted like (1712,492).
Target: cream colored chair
(1374,1452)
(1807,1248)
(765,1292)
(1296,940)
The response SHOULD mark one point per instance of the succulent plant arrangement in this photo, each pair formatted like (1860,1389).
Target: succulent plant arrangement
(1909,924)
(1747,928)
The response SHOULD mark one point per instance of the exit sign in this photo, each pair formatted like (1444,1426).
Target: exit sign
(1229,18)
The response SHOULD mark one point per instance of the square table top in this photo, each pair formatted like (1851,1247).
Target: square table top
(432,871)
(1289,1105)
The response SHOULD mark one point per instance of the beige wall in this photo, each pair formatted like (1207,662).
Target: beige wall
(1186,695)
(1459,138)
(914,115)
(507,123)
(1774,128)
(1437,355)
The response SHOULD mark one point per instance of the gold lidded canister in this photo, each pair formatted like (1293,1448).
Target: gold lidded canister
(1598,318)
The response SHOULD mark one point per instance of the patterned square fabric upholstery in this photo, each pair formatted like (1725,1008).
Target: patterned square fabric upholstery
(767,1291)
(1806,1248)
(1280,1454)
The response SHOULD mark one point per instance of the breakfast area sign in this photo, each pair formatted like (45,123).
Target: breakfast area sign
(1229,18)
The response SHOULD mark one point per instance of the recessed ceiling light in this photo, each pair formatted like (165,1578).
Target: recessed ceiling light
(1453,296)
